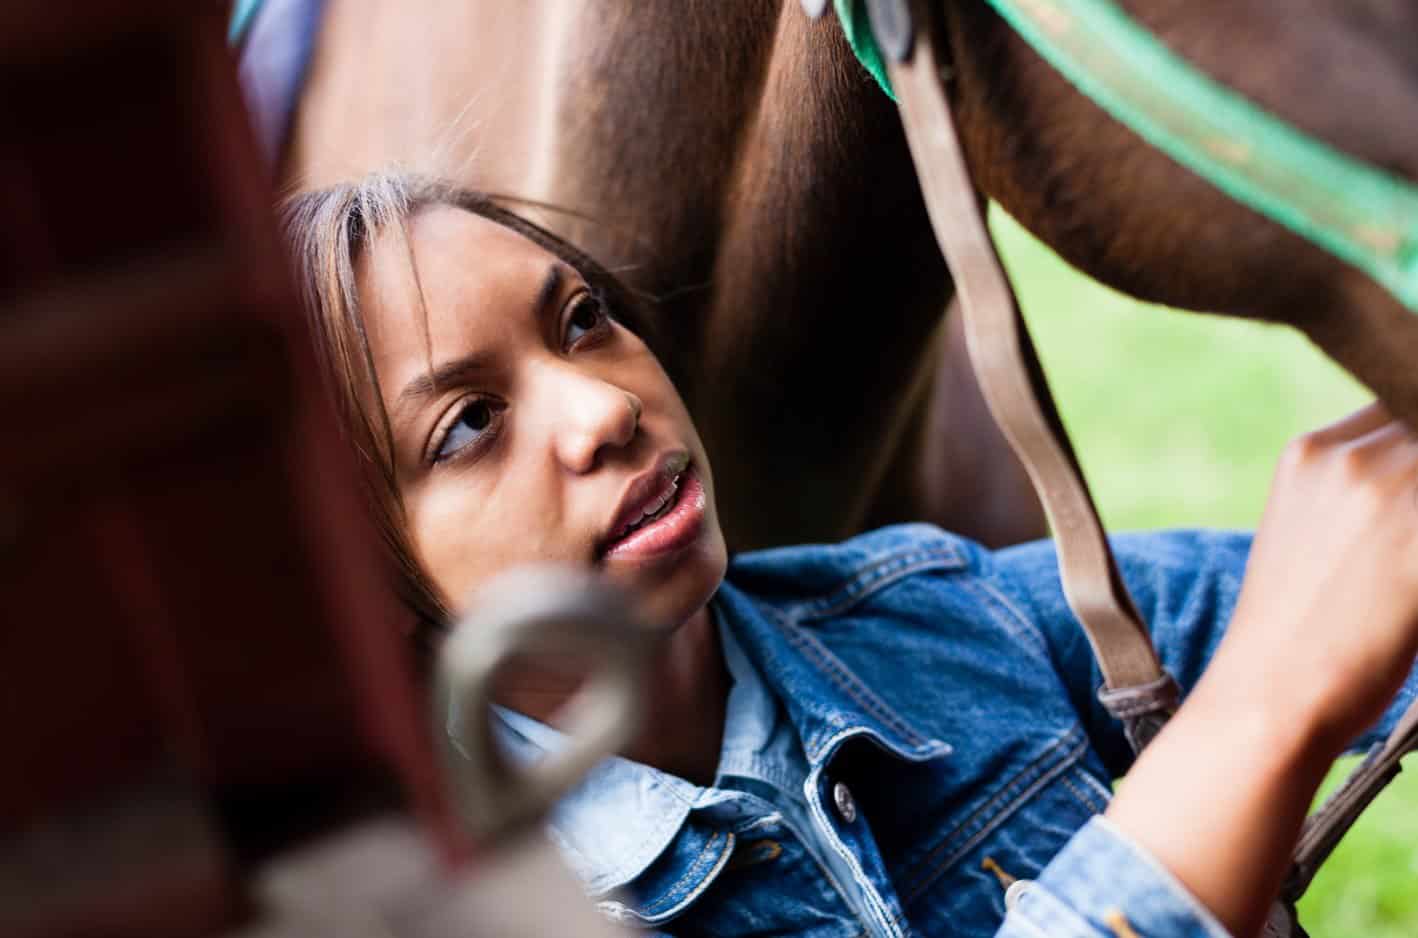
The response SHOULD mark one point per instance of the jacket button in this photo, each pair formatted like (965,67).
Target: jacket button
(1016,891)
(842,798)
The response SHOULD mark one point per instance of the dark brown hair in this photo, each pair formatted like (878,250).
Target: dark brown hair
(327,231)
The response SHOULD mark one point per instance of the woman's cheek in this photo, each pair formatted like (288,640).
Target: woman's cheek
(455,538)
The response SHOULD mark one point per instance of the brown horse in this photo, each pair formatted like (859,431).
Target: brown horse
(733,162)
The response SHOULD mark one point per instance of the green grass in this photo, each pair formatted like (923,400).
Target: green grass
(1178,420)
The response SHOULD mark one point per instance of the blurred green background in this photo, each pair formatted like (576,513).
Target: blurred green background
(1178,420)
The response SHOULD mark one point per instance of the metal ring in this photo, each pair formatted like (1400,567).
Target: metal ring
(529,611)
(893,28)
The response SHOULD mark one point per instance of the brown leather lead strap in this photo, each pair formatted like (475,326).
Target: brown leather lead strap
(1136,689)
(1327,826)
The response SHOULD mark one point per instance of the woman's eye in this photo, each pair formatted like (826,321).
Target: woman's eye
(472,423)
(587,316)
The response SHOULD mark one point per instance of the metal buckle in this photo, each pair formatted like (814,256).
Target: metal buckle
(893,27)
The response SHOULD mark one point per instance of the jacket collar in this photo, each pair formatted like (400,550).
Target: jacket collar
(589,825)
(825,698)
(826,702)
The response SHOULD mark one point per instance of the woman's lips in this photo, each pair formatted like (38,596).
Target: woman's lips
(676,529)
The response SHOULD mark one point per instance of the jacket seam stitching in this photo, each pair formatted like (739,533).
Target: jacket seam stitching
(880,574)
(1082,796)
(1021,622)
(668,905)
(854,865)
(841,676)
(1101,791)
(999,808)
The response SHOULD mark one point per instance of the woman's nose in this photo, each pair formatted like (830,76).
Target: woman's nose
(596,415)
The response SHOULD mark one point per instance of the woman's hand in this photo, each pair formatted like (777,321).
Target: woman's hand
(1327,622)
(1324,633)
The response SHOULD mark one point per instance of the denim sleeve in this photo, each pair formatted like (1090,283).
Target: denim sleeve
(1101,885)
(1185,584)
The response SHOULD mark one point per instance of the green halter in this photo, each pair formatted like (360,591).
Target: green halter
(1357,212)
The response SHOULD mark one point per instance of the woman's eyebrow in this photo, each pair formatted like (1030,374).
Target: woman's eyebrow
(447,373)
(551,286)
(452,371)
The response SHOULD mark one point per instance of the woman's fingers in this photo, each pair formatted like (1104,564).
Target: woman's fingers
(1358,424)
(1387,455)
(1382,439)
(1384,465)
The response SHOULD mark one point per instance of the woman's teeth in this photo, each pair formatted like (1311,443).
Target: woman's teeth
(653,511)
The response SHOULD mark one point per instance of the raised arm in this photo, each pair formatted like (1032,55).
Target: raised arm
(1321,641)
(1320,644)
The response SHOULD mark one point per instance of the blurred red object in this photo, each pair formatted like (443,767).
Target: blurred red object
(199,666)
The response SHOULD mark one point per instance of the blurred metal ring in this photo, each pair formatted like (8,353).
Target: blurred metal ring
(892,25)
(530,611)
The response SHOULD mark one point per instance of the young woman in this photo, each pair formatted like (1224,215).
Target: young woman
(879,737)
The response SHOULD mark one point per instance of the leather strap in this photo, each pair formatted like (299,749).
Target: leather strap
(1326,827)
(1136,689)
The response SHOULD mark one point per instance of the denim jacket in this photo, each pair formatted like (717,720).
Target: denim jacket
(938,756)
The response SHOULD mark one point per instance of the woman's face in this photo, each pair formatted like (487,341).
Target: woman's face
(528,427)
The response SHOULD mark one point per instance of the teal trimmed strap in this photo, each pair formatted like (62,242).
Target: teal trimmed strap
(242,13)
(1355,211)
(856,26)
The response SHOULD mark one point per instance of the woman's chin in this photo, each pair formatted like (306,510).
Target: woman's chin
(666,600)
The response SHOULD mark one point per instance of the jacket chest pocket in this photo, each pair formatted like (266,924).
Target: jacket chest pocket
(964,890)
